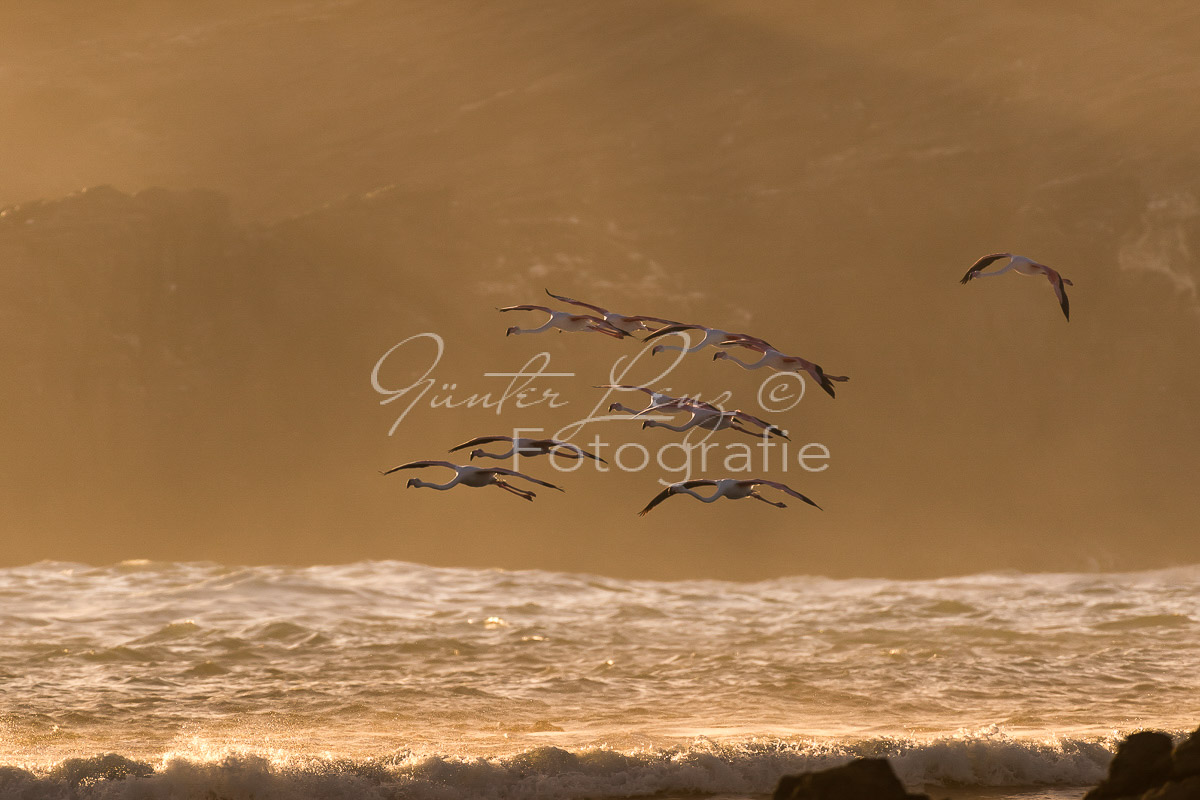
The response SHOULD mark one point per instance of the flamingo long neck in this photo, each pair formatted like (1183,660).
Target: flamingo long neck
(441,487)
(1010,265)
(549,324)
(762,362)
(650,423)
(701,497)
(681,349)
(704,340)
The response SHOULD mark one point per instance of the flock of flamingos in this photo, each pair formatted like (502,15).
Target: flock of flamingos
(701,414)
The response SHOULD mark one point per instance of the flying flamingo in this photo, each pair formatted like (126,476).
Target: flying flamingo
(571,323)
(527,448)
(711,418)
(622,322)
(779,361)
(657,399)
(1024,266)
(471,476)
(712,336)
(730,488)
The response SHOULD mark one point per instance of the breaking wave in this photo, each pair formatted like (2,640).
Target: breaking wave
(986,758)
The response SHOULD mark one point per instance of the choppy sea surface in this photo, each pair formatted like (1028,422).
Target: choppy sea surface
(388,679)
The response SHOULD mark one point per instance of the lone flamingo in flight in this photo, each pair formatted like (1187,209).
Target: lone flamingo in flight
(729,488)
(1024,266)
(471,476)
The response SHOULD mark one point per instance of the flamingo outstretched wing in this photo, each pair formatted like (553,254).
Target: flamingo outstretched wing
(672,329)
(575,302)
(783,487)
(419,464)
(1060,291)
(650,392)
(514,474)
(762,423)
(747,341)
(527,308)
(574,448)
(659,320)
(478,440)
(982,263)
(671,490)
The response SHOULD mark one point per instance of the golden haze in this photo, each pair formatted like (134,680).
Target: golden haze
(187,372)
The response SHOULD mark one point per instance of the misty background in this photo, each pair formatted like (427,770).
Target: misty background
(218,217)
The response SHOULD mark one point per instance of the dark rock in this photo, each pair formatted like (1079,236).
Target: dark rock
(1142,763)
(1188,789)
(861,779)
(1185,761)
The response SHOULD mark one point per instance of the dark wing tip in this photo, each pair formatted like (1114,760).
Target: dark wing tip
(981,263)
(658,498)
(665,331)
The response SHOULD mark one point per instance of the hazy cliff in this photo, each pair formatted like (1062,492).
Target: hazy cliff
(190,369)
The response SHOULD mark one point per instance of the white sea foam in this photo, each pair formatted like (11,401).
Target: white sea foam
(750,768)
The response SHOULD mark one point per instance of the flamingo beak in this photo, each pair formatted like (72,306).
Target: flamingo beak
(410,483)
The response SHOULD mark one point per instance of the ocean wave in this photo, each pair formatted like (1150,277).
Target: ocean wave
(357,659)
(986,758)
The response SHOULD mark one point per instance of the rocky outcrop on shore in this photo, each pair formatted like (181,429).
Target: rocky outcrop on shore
(1146,767)
(861,779)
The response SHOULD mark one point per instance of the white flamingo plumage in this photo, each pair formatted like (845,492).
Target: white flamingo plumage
(729,488)
(474,477)
(1024,266)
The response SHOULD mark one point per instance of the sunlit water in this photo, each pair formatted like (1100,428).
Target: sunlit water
(388,679)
